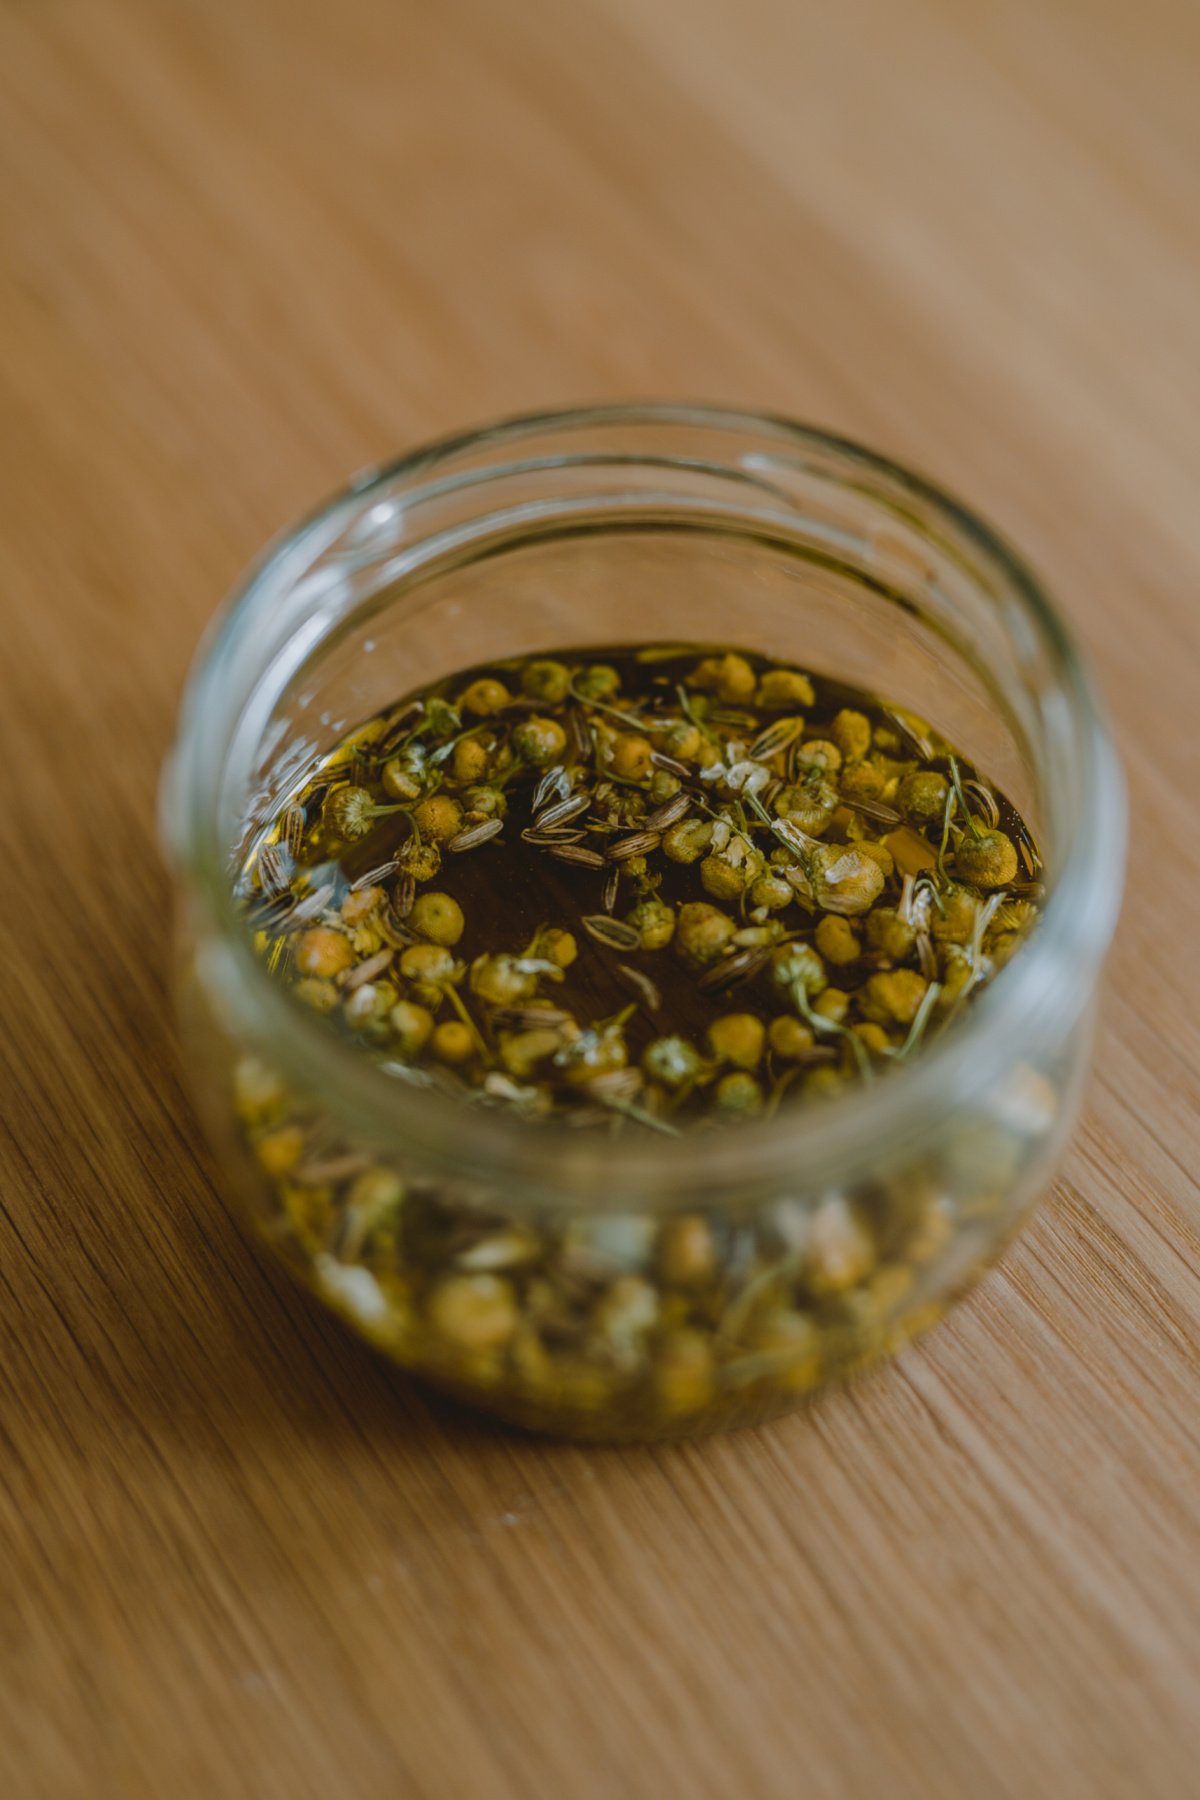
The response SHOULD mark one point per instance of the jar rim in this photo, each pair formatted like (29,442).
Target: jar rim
(1053,973)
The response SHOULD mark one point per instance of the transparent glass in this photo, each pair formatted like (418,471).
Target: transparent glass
(837,1231)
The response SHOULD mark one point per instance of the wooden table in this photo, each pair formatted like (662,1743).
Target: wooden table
(251,245)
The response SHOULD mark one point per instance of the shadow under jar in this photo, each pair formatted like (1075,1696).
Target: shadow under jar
(540,1272)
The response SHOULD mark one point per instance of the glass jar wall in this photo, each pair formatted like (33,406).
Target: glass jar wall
(621,1286)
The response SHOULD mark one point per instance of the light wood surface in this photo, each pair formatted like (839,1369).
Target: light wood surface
(251,245)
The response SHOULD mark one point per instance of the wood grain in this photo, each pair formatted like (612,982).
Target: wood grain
(250,245)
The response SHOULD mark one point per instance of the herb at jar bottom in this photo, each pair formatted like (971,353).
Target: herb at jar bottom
(636,890)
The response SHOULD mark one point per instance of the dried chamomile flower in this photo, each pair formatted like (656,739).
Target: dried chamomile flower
(893,997)
(788,1038)
(503,980)
(823,1083)
(486,802)
(366,940)
(654,921)
(772,892)
(819,753)
(673,1061)
(323,952)
(809,806)
(350,812)
(1013,915)
(878,853)
(470,761)
(851,732)
(431,964)
(539,742)
(988,861)
(730,871)
(369,1004)
(483,697)
(600,1051)
(412,1025)
(861,781)
(598,682)
(441,719)
(555,946)
(663,786)
(921,797)
(474,1312)
(833,1004)
(524,1051)
(322,996)
(782,689)
(737,1038)
(843,878)
(421,860)
(453,1043)
(629,756)
(683,742)
(438,917)
(404,776)
(360,903)
(797,966)
(702,933)
(758,936)
(952,921)
(439,818)
(890,935)
(546,680)
(836,941)
(730,677)
(738,1096)
(688,841)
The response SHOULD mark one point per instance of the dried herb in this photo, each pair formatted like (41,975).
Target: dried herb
(654,891)
(749,814)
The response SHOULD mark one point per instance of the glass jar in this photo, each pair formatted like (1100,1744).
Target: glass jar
(542,1273)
